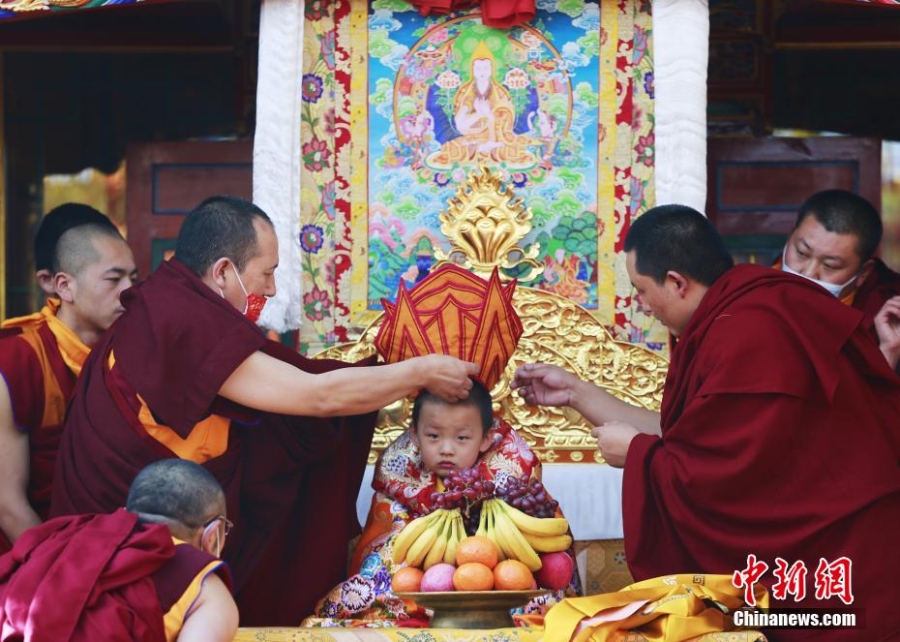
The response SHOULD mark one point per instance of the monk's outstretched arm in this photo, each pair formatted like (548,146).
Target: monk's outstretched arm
(599,407)
(271,385)
(16,514)
(542,384)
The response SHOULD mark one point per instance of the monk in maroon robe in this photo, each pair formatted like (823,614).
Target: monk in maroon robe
(778,436)
(186,373)
(148,573)
(86,264)
(833,244)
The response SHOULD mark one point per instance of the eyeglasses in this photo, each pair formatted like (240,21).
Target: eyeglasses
(220,518)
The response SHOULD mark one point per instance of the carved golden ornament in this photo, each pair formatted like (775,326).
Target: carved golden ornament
(555,330)
(485,222)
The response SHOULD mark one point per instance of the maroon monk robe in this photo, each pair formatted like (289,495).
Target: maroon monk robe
(85,578)
(290,482)
(779,439)
(35,372)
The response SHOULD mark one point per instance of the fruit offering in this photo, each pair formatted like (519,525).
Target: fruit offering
(438,578)
(520,536)
(482,565)
(484,536)
(407,579)
(465,489)
(528,495)
(430,539)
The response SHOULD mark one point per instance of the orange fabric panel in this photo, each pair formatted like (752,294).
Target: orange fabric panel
(454,312)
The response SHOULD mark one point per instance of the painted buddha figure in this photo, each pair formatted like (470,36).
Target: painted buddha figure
(485,117)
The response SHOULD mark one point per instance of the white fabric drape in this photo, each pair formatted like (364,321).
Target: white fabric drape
(680,56)
(590,496)
(276,151)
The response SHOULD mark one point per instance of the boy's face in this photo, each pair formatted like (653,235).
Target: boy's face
(449,436)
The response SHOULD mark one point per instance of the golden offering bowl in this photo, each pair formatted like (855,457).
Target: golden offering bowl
(472,609)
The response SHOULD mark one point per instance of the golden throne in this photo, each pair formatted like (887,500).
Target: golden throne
(485,222)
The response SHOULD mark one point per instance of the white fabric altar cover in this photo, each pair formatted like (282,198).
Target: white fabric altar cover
(590,496)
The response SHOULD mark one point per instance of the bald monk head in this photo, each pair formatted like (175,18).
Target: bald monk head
(185,497)
(230,244)
(834,241)
(55,223)
(91,267)
(673,255)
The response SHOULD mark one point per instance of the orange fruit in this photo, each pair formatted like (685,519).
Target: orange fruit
(512,575)
(473,576)
(477,548)
(407,580)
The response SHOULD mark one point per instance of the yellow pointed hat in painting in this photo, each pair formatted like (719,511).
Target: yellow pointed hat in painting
(454,312)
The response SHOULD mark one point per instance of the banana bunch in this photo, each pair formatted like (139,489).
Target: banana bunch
(520,536)
(430,539)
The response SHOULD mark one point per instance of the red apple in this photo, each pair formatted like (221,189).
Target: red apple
(556,570)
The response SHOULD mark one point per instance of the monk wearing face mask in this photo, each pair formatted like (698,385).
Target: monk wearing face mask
(833,244)
(777,435)
(185,373)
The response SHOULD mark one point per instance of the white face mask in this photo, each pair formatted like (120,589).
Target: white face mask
(835,289)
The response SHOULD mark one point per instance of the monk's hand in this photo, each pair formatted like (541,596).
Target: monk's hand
(541,384)
(887,326)
(448,377)
(613,440)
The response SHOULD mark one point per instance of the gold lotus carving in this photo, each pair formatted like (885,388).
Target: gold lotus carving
(485,223)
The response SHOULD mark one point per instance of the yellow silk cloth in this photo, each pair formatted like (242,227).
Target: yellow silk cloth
(279,634)
(672,608)
(71,349)
(387,635)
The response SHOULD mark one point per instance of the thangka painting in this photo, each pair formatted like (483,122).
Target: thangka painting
(400,108)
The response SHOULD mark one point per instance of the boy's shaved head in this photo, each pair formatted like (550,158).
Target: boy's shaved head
(57,222)
(75,249)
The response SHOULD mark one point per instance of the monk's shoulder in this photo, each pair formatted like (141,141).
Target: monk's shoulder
(751,349)
(20,356)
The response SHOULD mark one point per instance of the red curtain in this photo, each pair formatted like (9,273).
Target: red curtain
(502,14)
